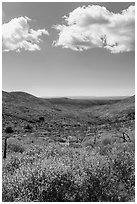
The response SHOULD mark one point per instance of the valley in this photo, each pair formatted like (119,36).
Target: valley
(63,129)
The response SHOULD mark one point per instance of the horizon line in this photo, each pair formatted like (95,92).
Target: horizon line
(73,96)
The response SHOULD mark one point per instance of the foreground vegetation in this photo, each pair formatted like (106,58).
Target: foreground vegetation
(54,172)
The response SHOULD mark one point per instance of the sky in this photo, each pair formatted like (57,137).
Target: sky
(62,49)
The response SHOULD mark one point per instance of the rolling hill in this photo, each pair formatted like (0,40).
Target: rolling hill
(22,108)
(23,103)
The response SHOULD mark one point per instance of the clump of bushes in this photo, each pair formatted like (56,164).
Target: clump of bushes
(28,128)
(76,175)
(9,130)
(11,165)
(15,146)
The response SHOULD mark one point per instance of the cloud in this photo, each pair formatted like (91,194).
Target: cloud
(17,35)
(95,26)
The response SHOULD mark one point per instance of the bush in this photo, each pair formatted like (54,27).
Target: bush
(89,143)
(15,146)
(41,119)
(12,164)
(106,141)
(9,130)
(76,175)
(28,127)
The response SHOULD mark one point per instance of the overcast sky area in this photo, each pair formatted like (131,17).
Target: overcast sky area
(57,49)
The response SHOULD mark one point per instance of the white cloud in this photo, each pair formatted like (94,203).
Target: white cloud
(17,35)
(95,26)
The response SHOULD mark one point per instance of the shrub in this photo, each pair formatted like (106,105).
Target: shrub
(12,164)
(28,127)
(89,143)
(9,130)
(76,175)
(15,146)
(89,122)
(41,119)
(106,141)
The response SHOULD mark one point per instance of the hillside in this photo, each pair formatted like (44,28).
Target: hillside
(118,108)
(21,104)
(81,103)
(27,106)
(24,99)
(20,109)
